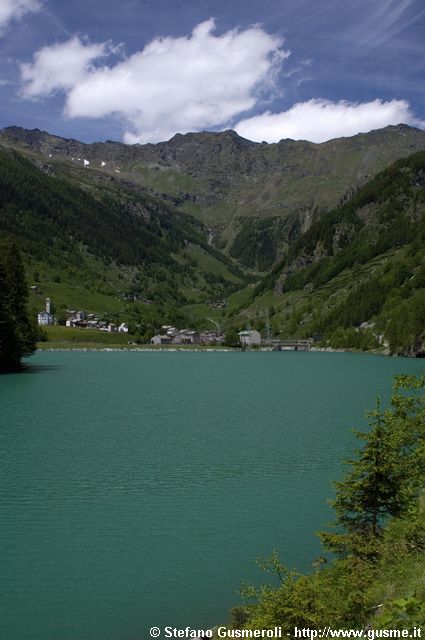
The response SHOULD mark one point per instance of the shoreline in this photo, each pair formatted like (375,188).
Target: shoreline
(199,349)
(109,349)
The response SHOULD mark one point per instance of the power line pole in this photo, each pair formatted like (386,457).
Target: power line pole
(217,325)
(268,329)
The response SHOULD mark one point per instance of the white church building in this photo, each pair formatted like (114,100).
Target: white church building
(45,317)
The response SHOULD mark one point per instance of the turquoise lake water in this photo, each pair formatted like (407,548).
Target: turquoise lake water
(137,489)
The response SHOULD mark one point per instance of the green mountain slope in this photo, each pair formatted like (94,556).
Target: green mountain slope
(362,263)
(88,245)
(224,179)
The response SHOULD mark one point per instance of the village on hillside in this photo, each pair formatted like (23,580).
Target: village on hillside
(170,335)
(80,319)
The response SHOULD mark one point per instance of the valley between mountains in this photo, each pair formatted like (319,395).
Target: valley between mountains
(295,239)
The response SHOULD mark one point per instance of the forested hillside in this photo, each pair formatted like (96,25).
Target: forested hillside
(362,264)
(108,241)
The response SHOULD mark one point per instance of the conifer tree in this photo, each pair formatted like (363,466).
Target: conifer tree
(384,478)
(9,350)
(17,331)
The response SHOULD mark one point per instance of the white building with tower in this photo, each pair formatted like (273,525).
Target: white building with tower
(45,317)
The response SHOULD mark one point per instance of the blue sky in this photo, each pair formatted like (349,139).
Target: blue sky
(141,71)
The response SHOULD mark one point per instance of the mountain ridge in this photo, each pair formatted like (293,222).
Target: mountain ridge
(223,179)
(194,154)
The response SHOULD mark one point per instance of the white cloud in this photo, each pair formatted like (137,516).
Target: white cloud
(15,9)
(172,85)
(59,67)
(320,120)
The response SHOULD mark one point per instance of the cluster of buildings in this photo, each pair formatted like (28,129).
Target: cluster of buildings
(172,335)
(133,297)
(85,320)
(79,319)
(168,335)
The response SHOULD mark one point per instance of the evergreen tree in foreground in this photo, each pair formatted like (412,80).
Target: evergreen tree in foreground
(17,331)
(377,580)
(384,477)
